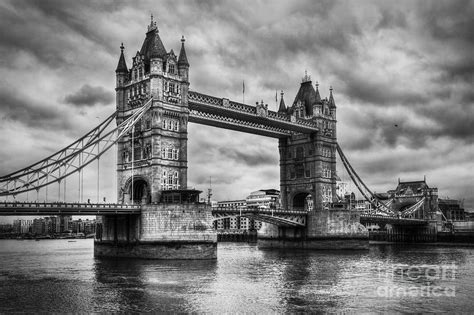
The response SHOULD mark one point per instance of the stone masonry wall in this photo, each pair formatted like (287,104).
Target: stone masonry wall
(171,222)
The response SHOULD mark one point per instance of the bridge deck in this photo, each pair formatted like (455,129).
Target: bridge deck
(42,208)
(260,211)
(370,218)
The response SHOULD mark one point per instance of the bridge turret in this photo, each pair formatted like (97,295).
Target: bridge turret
(183,64)
(332,104)
(121,74)
(317,106)
(282,109)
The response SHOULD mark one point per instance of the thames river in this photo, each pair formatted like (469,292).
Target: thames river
(63,276)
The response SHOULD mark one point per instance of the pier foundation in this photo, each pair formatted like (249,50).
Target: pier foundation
(162,231)
(328,229)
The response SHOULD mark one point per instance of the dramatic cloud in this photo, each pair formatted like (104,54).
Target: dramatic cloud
(90,96)
(402,75)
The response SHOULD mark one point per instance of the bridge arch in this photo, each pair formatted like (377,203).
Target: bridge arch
(141,193)
(302,201)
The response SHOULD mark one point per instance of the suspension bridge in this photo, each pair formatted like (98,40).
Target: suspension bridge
(155,208)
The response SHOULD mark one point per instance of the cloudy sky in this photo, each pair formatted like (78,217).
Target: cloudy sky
(402,74)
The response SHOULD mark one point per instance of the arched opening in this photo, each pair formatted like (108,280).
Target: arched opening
(303,202)
(140,194)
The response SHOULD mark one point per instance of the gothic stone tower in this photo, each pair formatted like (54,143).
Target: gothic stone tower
(308,180)
(159,146)
(152,163)
(308,161)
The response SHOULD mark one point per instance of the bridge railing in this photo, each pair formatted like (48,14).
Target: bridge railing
(261,211)
(36,205)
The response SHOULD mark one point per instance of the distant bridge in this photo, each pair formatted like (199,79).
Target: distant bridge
(278,217)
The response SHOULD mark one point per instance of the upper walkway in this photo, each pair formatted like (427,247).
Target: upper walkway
(223,113)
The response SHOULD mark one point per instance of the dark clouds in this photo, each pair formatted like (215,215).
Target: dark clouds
(404,63)
(29,112)
(89,96)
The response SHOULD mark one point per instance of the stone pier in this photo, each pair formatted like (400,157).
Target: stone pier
(162,231)
(329,229)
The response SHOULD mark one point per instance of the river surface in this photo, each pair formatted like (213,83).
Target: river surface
(63,276)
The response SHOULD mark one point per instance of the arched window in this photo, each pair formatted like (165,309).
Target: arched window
(169,152)
(164,124)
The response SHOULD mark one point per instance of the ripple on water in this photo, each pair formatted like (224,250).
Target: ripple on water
(61,276)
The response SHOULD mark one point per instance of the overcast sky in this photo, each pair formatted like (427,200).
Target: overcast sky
(402,73)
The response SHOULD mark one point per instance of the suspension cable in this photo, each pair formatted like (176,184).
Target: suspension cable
(49,170)
(358,182)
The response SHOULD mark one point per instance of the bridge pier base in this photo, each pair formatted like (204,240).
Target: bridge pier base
(162,231)
(327,229)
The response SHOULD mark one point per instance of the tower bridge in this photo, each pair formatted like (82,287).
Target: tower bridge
(153,108)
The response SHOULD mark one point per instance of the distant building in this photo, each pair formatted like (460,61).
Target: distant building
(22,226)
(341,188)
(452,209)
(230,204)
(408,194)
(65,223)
(264,198)
(469,215)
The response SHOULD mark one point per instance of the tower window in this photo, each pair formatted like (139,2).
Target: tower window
(137,152)
(171,69)
(172,88)
(299,169)
(299,153)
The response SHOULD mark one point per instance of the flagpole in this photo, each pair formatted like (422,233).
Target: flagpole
(243,92)
(276,100)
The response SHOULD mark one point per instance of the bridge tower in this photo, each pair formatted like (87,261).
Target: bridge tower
(308,179)
(152,162)
(308,161)
(154,158)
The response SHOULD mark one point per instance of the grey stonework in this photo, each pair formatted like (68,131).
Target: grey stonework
(158,75)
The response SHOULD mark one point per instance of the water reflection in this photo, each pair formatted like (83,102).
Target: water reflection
(57,276)
(149,285)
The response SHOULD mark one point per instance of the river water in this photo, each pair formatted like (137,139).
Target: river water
(63,276)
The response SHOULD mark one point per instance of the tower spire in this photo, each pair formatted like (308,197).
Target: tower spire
(282,108)
(122,65)
(183,60)
(332,104)
(318,97)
